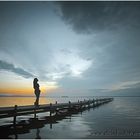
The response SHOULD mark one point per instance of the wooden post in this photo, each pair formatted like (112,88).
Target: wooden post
(102,101)
(69,105)
(15,115)
(88,103)
(97,102)
(50,125)
(93,102)
(34,110)
(56,111)
(50,115)
(50,109)
(84,103)
(80,104)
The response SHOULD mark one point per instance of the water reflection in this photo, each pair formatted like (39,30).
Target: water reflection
(25,126)
(118,116)
(38,134)
(21,101)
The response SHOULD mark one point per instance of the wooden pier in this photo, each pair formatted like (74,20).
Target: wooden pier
(57,108)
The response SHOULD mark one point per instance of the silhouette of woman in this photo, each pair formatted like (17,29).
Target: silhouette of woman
(36,90)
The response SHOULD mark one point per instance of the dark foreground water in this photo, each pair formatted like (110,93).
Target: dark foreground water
(117,119)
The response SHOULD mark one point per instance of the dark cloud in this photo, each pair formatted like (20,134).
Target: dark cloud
(12,68)
(97,16)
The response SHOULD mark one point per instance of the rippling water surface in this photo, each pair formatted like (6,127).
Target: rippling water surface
(117,119)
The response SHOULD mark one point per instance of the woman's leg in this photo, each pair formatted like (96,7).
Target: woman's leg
(38,95)
(36,101)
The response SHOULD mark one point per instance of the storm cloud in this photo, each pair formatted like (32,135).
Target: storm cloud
(86,17)
(10,67)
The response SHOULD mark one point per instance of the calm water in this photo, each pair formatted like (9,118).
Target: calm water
(117,119)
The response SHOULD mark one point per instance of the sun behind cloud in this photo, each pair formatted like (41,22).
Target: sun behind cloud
(18,85)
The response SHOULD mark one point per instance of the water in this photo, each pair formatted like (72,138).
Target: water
(117,119)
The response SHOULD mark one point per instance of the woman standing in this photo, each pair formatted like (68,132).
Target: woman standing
(36,90)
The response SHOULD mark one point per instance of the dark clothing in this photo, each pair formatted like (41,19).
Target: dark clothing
(36,91)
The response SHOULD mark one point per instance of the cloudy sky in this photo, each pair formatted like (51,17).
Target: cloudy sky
(73,48)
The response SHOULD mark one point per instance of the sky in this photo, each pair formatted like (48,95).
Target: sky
(73,48)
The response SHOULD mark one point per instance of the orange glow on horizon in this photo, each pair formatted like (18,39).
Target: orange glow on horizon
(17,90)
(12,84)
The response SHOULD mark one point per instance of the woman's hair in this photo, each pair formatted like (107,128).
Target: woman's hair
(35,82)
(35,79)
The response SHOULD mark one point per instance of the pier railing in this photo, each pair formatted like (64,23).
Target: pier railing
(15,111)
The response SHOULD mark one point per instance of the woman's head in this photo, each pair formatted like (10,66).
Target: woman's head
(35,82)
(35,79)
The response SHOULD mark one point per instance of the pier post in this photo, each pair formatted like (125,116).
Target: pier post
(50,125)
(50,109)
(93,103)
(84,103)
(15,115)
(50,115)
(80,107)
(56,111)
(80,104)
(34,110)
(97,102)
(88,103)
(69,105)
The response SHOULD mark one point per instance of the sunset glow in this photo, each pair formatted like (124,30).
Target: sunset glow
(26,90)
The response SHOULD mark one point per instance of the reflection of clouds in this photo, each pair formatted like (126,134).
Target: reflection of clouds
(126,107)
(69,128)
(79,127)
